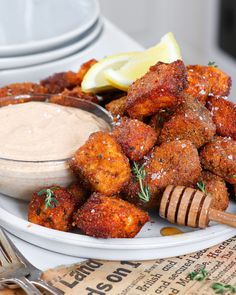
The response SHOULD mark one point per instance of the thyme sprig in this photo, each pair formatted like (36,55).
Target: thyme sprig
(201,186)
(212,64)
(140,174)
(50,200)
(219,288)
(199,275)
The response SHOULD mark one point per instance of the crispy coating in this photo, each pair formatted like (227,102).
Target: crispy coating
(218,81)
(64,98)
(60,217)
(157,121)
(110,217)
(159,88)
(101,163)
(224,116)
(84,69)
(175,162)
(79,192)
(135,138)
(219,157)
(216,186)
(19,89)
(60,81)
(198,86)
(117,107)
(191,121)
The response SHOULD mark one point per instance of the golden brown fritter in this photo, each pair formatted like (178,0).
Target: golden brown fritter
(216,186)
(20,89)
(157,121)
(101,163)
(79,192)
(159,88)
(130,193)
(219,157)
(135,138)
(191,121)
(198,86)
(117,107)
(64,98)
(60,81)
(175,162)
(224,116)
(59,214)
(218,81)
(84,69)
(110,217)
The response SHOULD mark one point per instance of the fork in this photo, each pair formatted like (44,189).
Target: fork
(12,271)
(30,273)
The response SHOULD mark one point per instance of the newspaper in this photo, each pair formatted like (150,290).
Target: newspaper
(162,276)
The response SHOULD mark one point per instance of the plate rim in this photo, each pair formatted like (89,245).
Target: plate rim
(37,46)
(144,243)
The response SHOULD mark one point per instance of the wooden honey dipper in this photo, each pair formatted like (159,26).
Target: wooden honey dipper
(191,207)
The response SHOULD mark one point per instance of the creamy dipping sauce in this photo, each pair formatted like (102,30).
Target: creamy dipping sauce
(39,131)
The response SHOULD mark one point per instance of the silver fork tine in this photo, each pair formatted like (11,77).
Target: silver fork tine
(8,247)
(34,272)
(3,259)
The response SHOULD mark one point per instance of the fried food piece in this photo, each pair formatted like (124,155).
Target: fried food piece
(65,99)
(191,121)
(60,81)
(101,163)
(216,186)
(79,192)
(219,157)
(175,162)
(19,89)
(224,116)
(130,193)
(159,88)
(117,107)
(84,69)
(157,121)
(135,138)
(218,81)
(198,86)
(58,213)
(110,217)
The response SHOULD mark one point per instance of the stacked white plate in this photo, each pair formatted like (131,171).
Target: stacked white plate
(36,32)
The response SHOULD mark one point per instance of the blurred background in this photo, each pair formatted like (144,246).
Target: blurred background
(204,29)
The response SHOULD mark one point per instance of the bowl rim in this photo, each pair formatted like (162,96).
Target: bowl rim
(107,114)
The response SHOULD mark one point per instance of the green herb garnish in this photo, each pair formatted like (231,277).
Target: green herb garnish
(140,174)
(198,275)
(219,288)
(201,186)
(222,288)
(212,64)
(50,200)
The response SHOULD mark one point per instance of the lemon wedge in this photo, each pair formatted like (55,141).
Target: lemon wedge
(137,65)
(95,81)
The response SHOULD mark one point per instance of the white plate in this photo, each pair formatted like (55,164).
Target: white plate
(49,56)
(110,41)
(31,26)
(147,245)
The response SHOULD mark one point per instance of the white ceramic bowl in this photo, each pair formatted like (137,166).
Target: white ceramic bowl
(19,179)
(32,26)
